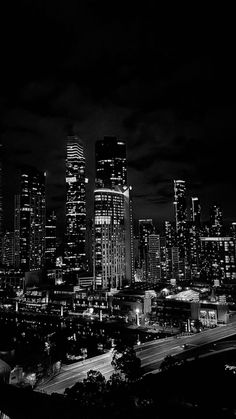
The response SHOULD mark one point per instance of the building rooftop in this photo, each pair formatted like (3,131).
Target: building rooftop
(187,295)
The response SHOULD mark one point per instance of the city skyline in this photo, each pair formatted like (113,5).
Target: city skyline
(117,210)
(139,212)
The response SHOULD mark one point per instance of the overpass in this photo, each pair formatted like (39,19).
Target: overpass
(151,355)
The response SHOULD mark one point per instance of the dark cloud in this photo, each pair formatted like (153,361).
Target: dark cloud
(167,88)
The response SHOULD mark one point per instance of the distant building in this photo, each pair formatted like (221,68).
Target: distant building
(30,220)
(180,210)
(218,259)
(216,221)
(194,237)
(75,254)
(8,259)
(50,240)
(154,258)
(145,229)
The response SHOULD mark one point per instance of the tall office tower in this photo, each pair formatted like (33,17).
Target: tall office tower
(175,263)
(113,222)
(75,254)
(218,263)
(181,225)
(111,164)
(163,258)
(113,264)
(169,234)
(180,215)
(8,249)
(145,229)
(194,237)
(195,211)
(1,204)
(170,238)
(30,220)
(154,259)
(50,240)
(216,221)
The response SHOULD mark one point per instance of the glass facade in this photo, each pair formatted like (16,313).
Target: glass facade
(30,220)
(75,255)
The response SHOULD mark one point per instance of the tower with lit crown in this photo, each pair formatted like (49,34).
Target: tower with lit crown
(180,209)
(113,233)
(75,255)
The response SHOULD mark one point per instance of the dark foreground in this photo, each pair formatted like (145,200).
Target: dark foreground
(200,389)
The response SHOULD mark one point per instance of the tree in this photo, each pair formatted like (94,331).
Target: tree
(127,363)
(115,381)
(168,363)
(90,391)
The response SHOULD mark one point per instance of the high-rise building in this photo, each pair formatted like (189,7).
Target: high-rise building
(113,264)
(218,259)
(216,221)
(111,164)
(170,239)
(8,249)
(194,237)
(195,211)
(30,220)
(154,258)
(145,229)
(180,208)
(163,258)
(50,240)
(75,254)
(113,223)
(180,215)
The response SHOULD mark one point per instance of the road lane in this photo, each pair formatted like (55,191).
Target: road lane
(150,353)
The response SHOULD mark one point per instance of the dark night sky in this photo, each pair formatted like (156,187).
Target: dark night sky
(166,85)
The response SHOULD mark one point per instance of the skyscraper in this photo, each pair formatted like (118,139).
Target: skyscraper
(113,232)
(75,255)
(8,249)
(170,239)
(30,220)
(216,221)
(111,164)
(50,240)
(180,209)
(194,237)
(145,229)
(195,211)
(218,259)
(154,258)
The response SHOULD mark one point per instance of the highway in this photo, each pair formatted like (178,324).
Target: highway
(151,355)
